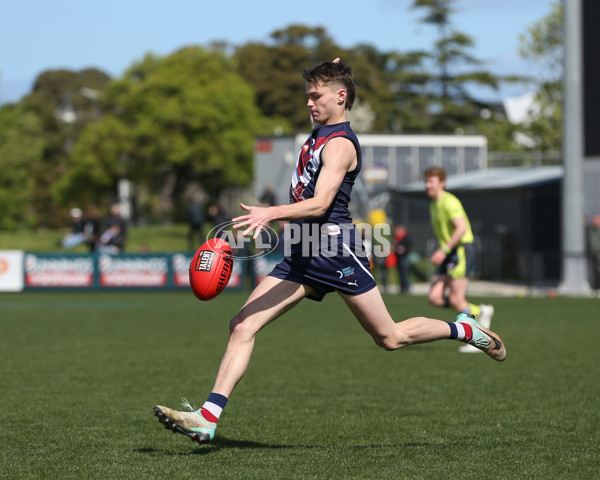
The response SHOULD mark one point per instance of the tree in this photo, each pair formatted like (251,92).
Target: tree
(543,44)
(169,122)
(274,71)
(451,105)
(63,103)
(21,149)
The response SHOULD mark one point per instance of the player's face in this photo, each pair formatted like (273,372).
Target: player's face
(323,102)
(434,186)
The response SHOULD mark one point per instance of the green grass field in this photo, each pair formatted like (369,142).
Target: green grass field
(154,238)
(82,371)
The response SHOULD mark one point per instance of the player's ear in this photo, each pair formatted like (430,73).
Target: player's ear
(341,96)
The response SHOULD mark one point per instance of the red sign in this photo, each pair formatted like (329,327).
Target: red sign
(132,271)
(58,271)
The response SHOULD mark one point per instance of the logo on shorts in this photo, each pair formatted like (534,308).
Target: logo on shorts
(347,272)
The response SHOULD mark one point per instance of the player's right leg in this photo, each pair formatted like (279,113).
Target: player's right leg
(270,299)
(437,290)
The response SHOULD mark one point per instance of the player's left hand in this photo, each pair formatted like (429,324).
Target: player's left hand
(258,219)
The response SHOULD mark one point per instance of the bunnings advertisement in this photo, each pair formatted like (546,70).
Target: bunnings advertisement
(133,271)
(58,271)
(34,271)
(37,271)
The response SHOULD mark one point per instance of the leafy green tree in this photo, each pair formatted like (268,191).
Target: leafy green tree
(403,105)
(64,103)
(543,45)
(274,71)
(450,102)
(21,149)
(169,122)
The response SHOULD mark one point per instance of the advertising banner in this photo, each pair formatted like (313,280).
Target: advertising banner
(11,270)
(133,270)
(19,270)
(58,271)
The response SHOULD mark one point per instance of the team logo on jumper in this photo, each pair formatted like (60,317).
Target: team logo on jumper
(306,165)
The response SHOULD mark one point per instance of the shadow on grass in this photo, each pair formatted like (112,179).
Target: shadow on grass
(216,445)
(221,442)
(225,443)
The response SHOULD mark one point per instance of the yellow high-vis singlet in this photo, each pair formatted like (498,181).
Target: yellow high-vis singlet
(442,213)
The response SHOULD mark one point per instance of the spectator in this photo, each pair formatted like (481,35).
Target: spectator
(267,199)
(91,228)
(402,246)
(219,218)
(77,235)
(113,239)
(378,261)
(593,243)
(195,210)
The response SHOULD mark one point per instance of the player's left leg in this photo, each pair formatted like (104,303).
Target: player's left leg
(371,312)
(460,273)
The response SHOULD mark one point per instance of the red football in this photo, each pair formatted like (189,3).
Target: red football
(210,268)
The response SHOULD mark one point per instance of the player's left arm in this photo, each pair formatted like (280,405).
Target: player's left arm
(338,157)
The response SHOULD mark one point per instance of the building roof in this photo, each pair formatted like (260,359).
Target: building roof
(496,178)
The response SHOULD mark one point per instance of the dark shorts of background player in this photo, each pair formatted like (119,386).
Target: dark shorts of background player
(459,263)
(346,272)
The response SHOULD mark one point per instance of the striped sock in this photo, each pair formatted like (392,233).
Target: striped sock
(463,332)
(213,407)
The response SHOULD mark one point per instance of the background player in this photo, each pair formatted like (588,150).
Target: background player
(455,256)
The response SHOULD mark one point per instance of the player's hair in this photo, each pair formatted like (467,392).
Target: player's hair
(438,172)
(329,72)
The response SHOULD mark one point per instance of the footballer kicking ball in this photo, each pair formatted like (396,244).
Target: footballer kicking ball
(210,269)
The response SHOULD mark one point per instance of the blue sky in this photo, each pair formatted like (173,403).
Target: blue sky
(40,35)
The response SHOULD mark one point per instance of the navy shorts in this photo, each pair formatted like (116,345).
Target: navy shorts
(342,265)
